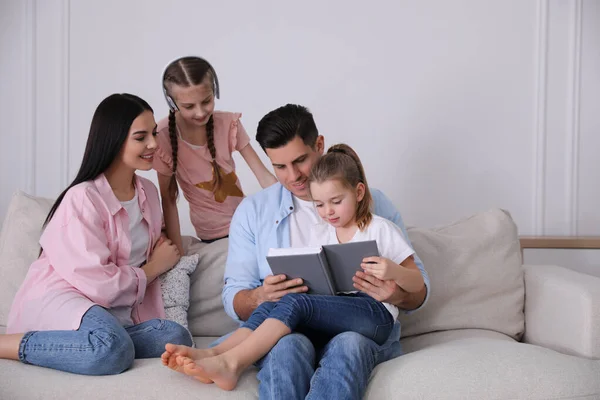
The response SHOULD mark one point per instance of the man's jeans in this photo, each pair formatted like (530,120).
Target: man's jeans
(101,346)
(297,369)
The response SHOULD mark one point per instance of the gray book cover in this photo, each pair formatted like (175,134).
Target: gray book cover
(345,259)
(325,270)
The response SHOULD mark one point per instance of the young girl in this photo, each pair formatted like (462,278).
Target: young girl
(194,149)
(341,195)
(90,304)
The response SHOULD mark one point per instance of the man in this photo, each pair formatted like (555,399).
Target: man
(302,365)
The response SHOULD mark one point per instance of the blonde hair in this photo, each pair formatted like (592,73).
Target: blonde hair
(342,163)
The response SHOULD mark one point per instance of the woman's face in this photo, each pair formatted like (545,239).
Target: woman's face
(196,103)
(138,149)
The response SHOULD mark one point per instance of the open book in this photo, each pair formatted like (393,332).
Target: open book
(326,269)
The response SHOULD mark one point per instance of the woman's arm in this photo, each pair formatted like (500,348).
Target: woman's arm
(265,178)
(76,245)
(170,212)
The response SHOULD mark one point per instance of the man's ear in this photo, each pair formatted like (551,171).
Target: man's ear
(360,191)
(320,144)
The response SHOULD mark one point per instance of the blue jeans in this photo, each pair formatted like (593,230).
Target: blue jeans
(328,315)
(101,346)
(314,366)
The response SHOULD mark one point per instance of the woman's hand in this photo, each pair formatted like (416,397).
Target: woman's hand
(164,257)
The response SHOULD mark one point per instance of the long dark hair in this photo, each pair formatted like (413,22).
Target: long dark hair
(186,72)
(342,163)
(108,131)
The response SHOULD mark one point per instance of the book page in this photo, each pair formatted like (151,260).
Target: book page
(290,251)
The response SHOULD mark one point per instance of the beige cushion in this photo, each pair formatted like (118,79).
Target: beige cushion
(454,365)
(476,364)
(206,315)
(476,276)
(19,246)
(148,379)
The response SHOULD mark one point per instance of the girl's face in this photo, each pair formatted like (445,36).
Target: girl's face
(138,149)
(336,203)
(196,103)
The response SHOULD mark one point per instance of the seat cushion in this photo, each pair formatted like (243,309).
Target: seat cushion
(454,365)
(477,364)
(148,379)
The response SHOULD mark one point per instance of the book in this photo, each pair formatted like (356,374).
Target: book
(326,269)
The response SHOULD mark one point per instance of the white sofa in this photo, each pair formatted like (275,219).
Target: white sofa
(493,328)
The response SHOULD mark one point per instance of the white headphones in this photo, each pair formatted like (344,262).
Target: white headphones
(170,102)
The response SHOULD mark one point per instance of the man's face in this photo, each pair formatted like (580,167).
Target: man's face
(292,164)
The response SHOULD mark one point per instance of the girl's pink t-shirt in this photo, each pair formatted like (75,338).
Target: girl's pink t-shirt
(210,212)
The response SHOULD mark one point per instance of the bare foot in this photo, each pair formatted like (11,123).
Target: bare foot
(172,351)
(216,369)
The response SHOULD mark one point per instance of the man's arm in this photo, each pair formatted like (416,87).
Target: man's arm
(245,302)
(243,290)
(241,268)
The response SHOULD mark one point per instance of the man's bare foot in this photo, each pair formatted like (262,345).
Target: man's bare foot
(172,351)
(217,369)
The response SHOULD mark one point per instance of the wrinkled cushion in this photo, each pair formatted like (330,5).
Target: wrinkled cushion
(476,364)
(19,245)
(175,287)
(455,365)
(476,276)
(206,315)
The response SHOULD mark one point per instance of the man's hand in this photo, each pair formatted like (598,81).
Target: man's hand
(272,289)
(388,291)
(276,286)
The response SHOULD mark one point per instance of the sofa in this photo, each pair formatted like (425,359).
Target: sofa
(492,328)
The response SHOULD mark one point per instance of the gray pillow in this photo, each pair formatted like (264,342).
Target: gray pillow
(175,286)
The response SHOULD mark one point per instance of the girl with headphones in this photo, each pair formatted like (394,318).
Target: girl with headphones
(195,146)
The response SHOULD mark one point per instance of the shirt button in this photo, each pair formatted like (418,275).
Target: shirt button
(291,208)
(277,221)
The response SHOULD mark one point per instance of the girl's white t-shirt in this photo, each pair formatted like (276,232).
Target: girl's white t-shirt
(390,242)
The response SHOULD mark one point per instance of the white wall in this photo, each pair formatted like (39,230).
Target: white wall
(454,106)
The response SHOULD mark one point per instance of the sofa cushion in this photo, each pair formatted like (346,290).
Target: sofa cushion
(479,364)
(19,245)
(206,315)
(455,365)
(147,379)
(476,276)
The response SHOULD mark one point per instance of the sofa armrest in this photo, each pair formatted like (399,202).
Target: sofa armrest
(562,310)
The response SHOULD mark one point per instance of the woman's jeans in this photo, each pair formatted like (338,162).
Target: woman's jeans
(101,346)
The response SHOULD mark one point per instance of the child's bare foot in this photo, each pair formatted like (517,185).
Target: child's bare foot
(169,357)
(217,369)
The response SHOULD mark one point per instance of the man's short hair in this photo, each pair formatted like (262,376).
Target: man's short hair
(282,125)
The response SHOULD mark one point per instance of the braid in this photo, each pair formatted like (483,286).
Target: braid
(173,188)
(210,141)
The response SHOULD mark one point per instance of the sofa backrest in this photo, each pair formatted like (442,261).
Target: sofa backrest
(476,275)
(474,266)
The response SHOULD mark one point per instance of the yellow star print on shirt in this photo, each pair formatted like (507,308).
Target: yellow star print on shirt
(228,186)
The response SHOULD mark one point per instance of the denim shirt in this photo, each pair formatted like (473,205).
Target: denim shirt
(261,222)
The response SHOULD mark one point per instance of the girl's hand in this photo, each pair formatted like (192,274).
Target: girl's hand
(380,267)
